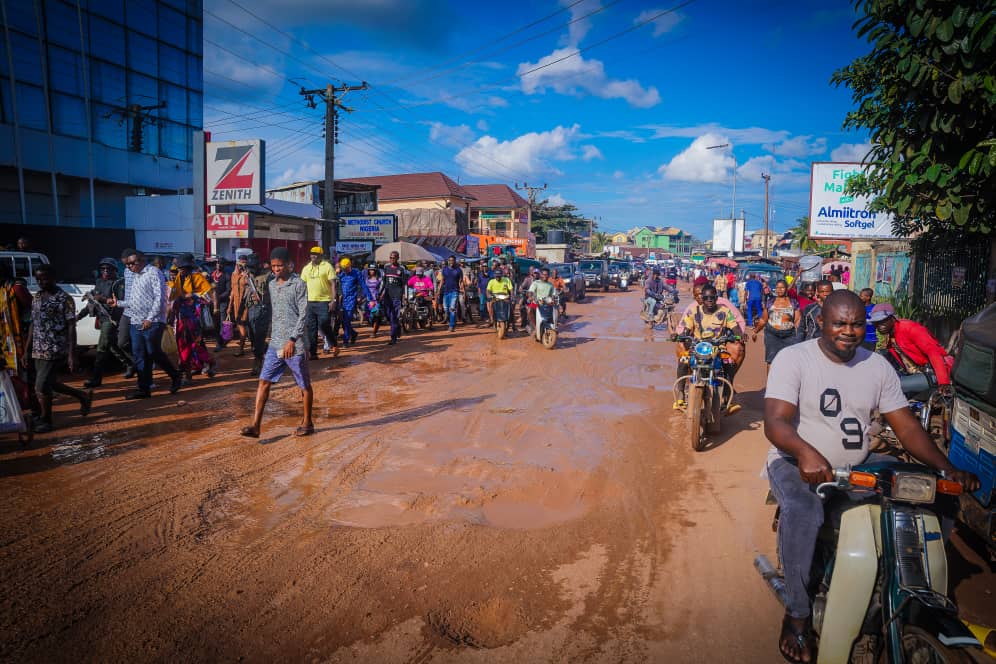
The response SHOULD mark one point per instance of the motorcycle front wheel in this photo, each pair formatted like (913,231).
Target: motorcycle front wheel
(919,647)
(502,327)
(715,410)
(549,338)
(695,407)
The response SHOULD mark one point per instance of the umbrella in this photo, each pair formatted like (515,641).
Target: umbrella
(409,252)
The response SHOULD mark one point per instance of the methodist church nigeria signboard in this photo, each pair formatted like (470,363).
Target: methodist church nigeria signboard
(836,215)
(377,228)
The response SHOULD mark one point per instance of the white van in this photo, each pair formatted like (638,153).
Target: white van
(23,264)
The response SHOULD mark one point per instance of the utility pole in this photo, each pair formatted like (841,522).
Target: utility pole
(532,197)
(767,178)
(332,96)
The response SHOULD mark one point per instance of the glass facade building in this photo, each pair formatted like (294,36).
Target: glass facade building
(99,100)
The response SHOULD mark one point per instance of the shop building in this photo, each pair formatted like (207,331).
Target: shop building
(498,210)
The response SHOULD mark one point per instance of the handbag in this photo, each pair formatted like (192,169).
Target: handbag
(11,417)
(226,330)
(207,320)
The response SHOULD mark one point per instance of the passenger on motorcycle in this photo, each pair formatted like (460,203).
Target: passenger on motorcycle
(539,290)
(498,284)
(710,320)
(671,278)
(817,410)
(654,292)
(911,347)
(421,284)
(561,287)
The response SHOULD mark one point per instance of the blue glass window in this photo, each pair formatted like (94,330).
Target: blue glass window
(62,25)
(68,115)
(176,103)
(181,5)
(141,16)
(150,135)
(107,83)
(109,127)
(21,16)
(174,141)
(112,9)
(6,108)
(172,65)
(143,54)
(142,90)
(195,34)
(65,71)
(172,27)
(195,72)
(27,58)
(31,107)
(107,40)
(195,102)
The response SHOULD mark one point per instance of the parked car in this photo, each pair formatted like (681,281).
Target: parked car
(596,273)
(572,277)
(23,264)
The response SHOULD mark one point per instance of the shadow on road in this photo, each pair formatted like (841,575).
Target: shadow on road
(418,413)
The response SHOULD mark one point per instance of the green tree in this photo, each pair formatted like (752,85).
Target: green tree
(599,240)
(927,95)
(800,236)
(565,217)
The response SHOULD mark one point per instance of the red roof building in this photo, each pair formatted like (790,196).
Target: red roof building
(418,190)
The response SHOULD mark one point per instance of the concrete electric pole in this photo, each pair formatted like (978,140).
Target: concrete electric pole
(766,178)
(332,96)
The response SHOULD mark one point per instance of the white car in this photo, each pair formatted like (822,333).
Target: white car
(22,266)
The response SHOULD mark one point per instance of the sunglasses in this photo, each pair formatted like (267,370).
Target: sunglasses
(709,297)
(130,263)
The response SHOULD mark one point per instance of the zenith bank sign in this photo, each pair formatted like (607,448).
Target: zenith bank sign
(235,172)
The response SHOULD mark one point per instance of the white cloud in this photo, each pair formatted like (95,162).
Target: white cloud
(579,27)
(482,124)
(699,164)
(855,152)
(589,152)
(783,171)
(458,136)
(314,170)
(618,175)
(576,76)
(528,154)
(556,199)
(799,146)
(662,25)
(744,136)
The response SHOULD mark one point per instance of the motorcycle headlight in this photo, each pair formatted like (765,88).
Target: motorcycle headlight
(913,487)
(704,349)
(567,280)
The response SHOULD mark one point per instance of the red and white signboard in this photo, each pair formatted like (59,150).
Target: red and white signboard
(235,172)
(228,224)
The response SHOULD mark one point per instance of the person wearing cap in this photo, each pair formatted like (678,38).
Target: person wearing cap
(320,278)
(910,346)
(189,293)
(352,284)
(107,288)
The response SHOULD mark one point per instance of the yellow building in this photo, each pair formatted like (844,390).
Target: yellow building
(620,239)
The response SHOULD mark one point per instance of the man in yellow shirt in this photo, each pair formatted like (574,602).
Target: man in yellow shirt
(498,284)
(711,320)
(320,278)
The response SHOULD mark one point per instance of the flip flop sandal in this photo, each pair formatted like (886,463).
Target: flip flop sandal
(304,431)
(249,432)
(801,638)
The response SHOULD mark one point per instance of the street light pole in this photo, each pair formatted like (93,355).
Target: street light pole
(733,207)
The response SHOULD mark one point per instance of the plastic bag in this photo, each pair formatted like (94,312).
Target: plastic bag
(168,345)
(227,331)
(11,417)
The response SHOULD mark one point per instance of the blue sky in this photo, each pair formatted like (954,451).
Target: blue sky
(499,92)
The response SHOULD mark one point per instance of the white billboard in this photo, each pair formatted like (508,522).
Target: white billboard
(378,228)
(235,172)
(726,237)
(836,215)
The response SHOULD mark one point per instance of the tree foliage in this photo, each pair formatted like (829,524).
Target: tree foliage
(800,236)
(561,217)
(927,95)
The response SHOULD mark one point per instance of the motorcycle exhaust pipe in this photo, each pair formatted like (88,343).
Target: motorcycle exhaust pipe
(772,577)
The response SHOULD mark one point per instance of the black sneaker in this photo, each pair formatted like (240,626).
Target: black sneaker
(175,385)
(93,382)
(43,427)
(137,394)
(130,372)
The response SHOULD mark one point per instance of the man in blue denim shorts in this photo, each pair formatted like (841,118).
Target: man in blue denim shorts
(287,350)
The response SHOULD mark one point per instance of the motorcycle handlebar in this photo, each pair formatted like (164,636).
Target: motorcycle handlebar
(718,340)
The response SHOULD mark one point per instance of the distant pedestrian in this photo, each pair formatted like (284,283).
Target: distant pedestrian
(53,343)
(146,305)
(238,304)
(392,295)
(352,285)
(107,288)
(484,276)
(780,322)
(871,336)
(320,278)
(812,315)
(222,296)
(754,291)
(372,308)
(259,313)
(189,294)
(124,324)
(288,350)
(451,287)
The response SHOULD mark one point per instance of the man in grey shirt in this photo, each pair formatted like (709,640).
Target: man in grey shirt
(287,350)
(817,409)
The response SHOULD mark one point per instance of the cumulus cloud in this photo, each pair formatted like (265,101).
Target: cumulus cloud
(699,164)
(314,170)
(744,136)
(556,200)
(579,27)
(798,146)
(784,171)
(577,76)
(528,154)
(663,24)
(589,152)
(451,136)
(854,152)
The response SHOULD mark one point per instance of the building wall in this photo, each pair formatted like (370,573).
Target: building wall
(440,202)
(69,106)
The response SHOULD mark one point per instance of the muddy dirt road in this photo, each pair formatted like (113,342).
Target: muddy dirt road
(463,499)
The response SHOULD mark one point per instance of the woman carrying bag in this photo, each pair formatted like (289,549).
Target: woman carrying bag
(780,320)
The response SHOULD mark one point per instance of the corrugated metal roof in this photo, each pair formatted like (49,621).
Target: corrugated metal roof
(407,186)
(281,208)
(495,196)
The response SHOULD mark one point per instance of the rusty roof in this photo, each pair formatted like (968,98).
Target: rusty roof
(496,196)
(407,186)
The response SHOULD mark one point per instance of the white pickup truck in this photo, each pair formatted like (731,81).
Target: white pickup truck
(22,265)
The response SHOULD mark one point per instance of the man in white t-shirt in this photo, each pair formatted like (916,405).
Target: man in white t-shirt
(818,406)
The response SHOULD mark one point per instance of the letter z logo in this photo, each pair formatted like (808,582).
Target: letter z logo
(232,178)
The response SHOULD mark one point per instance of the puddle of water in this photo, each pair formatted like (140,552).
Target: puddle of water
(77,450)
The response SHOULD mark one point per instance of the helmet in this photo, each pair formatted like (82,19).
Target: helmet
(345,263)
(108,261)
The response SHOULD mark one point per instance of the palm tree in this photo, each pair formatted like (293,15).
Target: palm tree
(599,240)
(800,235)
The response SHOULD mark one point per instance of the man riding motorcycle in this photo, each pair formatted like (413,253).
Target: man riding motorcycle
(539,290)
(654,292)
(498,284)
(911,347)
(817,410)
(710,320)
